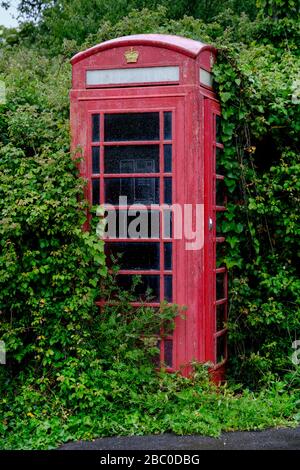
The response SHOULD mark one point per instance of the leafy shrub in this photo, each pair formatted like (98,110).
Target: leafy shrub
(110,387)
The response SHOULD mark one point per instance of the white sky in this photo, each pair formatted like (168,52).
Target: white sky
(8,17)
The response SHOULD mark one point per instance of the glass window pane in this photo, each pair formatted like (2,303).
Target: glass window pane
(220,193)
(146,289)
(167,125)
(96,160)
(168,352)
(220,287)
(168,255)
(131,159)
(134,255)
(131,126)
(220,170)
(167,223)
(220,219)
(168,190)
(168,158)
(145,190)
(168,288)
(156,358)
(221,348)
(137,190)
(220,254)
(218,129)
(221,316)
(143,224)
(154,226)
(96,127)
(95,192)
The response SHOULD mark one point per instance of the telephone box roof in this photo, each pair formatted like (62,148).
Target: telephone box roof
(185,46)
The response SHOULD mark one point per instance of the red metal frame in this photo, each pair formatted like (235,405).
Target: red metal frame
(211,110)
(193,108)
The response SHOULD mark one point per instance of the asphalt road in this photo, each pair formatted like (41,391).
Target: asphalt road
(271,439)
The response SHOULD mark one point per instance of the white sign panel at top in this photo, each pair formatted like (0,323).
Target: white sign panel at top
(132,75)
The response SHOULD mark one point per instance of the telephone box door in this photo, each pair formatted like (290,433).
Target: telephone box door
(134,149)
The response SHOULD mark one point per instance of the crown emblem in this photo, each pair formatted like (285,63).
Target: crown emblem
(131,56)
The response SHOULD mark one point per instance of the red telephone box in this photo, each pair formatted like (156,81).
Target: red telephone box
(144,112)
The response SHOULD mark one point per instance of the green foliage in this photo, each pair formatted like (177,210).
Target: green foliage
(261,159)
(50,23)
(279,8)
(75,374)
(143,403)
(111,388)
